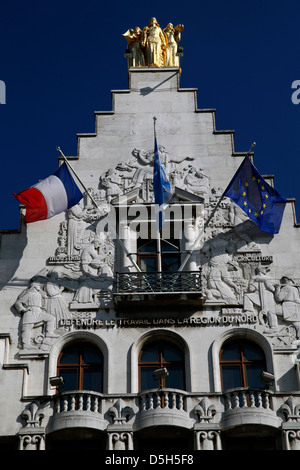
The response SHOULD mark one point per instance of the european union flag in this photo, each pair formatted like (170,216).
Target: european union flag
(262,203)
(161,187)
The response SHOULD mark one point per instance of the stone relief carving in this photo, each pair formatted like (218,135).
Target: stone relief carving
(120,441)
(58,293)
(137,172)
(288,296)
(120,413)
(31,305)
(32,434)
(291,410)
(205,411)
(79,278)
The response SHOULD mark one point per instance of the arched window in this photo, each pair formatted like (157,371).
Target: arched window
(81,366)
(157,355)
(241,363)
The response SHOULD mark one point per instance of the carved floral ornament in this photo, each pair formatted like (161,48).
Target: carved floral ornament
(77,284)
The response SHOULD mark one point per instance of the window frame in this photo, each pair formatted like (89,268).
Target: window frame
(176,253)
(242,362)
(81,366)
(161,362)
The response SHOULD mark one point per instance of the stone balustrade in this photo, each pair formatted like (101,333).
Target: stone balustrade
(78,401)
(245,398)
(204,414)
(163,398)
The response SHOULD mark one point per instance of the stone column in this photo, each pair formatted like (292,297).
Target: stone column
(32,435)
(120,440)
(207,440)
(291,428)
(126,239)
(291,439)
(190,237)
(31,441)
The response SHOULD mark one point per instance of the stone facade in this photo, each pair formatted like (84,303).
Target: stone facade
(68,279)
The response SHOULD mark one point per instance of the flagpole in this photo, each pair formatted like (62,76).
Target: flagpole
(158,241)
(98,208)
(207,222)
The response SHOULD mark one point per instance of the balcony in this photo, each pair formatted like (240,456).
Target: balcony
(249,406)
(209,415)
(237,407)
(165,288)
(76,409)
(163,407)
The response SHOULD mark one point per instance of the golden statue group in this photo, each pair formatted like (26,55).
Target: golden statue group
(152,46)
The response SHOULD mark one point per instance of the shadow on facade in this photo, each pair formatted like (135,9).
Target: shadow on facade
(76,439)
(248,437)
(164,438)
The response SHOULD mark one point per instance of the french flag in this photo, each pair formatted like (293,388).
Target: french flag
(51,196)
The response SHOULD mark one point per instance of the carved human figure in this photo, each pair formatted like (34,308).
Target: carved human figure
(241,224)
(261,290)
(56,305)
(143,168)
(85,292)
(154,41)
(220,284)
(31,305)
(135,38)
(143,164)
(288,296)
(89,286)
(172,37)
(111,182)
(90,258)
(196,181)
(177,179)
(76,217)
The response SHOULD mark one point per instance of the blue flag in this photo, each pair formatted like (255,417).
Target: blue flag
(262,203)
(161,187)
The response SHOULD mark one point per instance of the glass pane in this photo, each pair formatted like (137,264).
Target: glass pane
(172,353)
(147,378)
(253,373)
(147,264)
(175,379)
(70,355)
(253,352)
(231,377)
(169,245)
(170,263)
(92,355)
(92,380)
(149,247)
(150,353)
(70,380)
(230,352)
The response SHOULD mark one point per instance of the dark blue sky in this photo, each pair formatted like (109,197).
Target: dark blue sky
(61,59)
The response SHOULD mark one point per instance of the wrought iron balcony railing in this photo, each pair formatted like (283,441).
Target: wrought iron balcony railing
(160,282)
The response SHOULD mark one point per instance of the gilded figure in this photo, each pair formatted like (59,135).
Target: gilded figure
(135,38)
(153,46)
(172,35)
(155,43)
